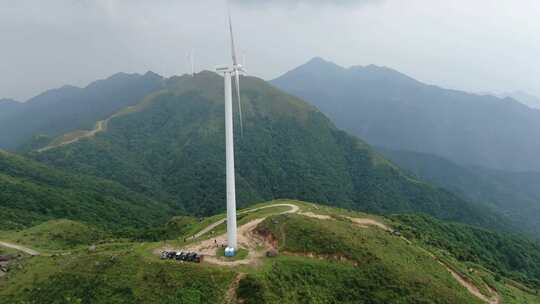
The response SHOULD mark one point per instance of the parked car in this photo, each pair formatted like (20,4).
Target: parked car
(181,256)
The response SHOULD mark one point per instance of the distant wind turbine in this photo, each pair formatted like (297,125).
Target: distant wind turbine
(229,71)
(192,62)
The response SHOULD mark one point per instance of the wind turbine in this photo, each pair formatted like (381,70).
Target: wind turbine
(191,56)
(228,72)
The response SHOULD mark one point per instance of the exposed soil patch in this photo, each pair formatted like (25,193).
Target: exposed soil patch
(20,248)
(317,216)
(366,222)
(231,296)
(495,299)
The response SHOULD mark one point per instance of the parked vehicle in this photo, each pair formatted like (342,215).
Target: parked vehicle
(181,256)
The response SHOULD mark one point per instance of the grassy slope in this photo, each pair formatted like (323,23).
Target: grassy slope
(31,192)
(56,235)
(379,268)
(173,149)
(507,256)
(389,269)
(113,274)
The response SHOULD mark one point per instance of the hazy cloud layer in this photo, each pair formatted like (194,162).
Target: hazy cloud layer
(289,3)
(480,45)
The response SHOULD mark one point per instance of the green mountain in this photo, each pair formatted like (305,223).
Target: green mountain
(68,108)
(324,255)
(31,193)
(515,194)
(171,147)
(391,110)
(7,107)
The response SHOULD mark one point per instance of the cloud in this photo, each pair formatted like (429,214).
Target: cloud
(294,3)
(458,44)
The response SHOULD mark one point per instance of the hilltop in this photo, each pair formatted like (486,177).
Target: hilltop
(170,146)
(323,255)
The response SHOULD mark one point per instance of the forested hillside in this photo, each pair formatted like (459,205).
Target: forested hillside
(172,148)
(515,194)
(31,193)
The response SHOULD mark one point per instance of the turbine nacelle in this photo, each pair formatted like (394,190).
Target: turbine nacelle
(235,68)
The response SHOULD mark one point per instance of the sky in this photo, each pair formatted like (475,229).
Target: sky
(476,46)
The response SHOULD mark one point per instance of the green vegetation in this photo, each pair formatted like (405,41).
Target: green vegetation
(31,193)
(176,227)
(172,148)
(507,256)
(358,266)
(56,235)
(320,261)
(113,275)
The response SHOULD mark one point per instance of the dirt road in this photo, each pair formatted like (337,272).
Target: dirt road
(100,127)
(293,207)
(20,248)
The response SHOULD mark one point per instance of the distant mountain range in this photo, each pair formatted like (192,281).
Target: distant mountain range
(525,98)
(7,107)
(515,194)
(392,110)
(68,108)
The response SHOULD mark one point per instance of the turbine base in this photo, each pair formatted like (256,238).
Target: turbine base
(230,252)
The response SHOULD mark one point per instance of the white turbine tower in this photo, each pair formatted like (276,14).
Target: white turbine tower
(191,58)
(229,71)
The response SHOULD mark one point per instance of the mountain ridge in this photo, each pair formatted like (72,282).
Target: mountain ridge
(392,110)
(173,148)
(514,194)
(65,109)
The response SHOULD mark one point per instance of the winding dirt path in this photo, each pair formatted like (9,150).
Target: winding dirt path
(232,296)
(78,135)
(247,239)
(293,207)
(495,299)
(20,248)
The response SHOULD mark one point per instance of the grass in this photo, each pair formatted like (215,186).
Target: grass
(389,269)
(56,235)
(113,274)
(346,264)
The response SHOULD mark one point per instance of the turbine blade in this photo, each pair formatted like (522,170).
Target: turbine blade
(237,80)
(233,47)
